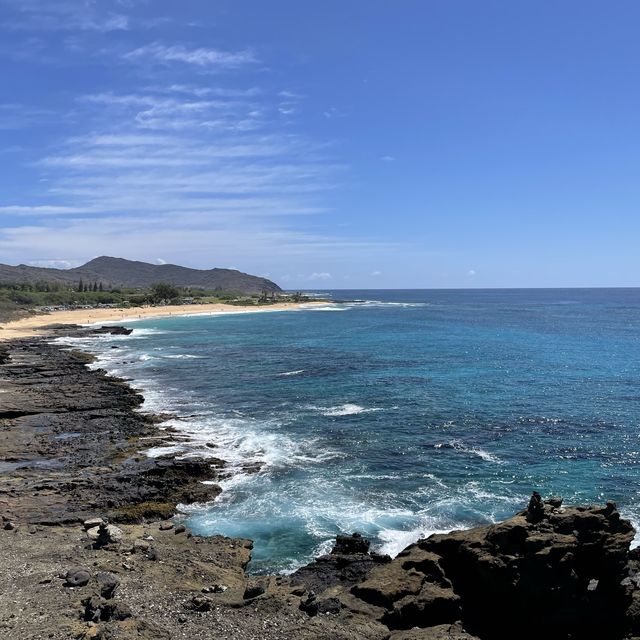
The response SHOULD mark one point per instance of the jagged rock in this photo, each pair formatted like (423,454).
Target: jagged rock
(180,529)
(545,555)
(347,545)
(347,564)
(114,331)
(98,609)
(77,577)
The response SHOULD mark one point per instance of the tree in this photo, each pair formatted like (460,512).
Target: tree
(100,287)
(80,286)
(163,292)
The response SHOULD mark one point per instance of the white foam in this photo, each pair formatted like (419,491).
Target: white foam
(183,356)
(477,451)
(297,372)
(396,540)
(379,304)
(347,409)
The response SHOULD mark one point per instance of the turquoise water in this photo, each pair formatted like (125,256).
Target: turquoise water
(415,412)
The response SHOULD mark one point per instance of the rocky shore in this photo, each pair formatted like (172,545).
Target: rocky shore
(89,547)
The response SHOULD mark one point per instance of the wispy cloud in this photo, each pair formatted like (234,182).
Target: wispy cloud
(53,263)
(19,116)
(67,15)
(194,170)
(199,56)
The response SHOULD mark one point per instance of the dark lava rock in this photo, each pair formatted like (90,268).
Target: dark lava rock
(180,529)
(97,609)
(348,563)
(312,606)
(107,584)
(549,572)
(354,543)
(77,577)
(108,534)
(253,591)
(114,331)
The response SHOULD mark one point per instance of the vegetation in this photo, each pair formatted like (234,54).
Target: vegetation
(20,298)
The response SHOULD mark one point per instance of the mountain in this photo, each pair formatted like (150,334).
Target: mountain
(118,272)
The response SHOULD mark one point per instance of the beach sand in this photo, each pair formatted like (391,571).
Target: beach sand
(37,324)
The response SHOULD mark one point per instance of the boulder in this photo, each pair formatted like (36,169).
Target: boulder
(349,563)
(108,534)
(92,523)
(107,584)
(355,543)
(77,577)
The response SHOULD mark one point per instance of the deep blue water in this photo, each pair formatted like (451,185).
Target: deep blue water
(421,412)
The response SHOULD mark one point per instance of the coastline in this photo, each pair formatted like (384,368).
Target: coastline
(37,325)
(72,460)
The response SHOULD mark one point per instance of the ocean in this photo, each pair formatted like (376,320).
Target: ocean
(403,414)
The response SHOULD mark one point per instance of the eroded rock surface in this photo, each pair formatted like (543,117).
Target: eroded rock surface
(548,572)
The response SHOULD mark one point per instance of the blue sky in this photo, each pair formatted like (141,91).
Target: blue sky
(337,144)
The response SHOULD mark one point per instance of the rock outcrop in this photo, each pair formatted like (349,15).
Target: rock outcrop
(113,566)
(549,572)
(84,439)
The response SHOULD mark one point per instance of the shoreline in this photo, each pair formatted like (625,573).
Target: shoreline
(91,551)
(39,325)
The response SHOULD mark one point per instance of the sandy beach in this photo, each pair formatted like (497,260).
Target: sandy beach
(37,325)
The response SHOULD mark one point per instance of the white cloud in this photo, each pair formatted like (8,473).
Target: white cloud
(387,158)
(66,15)
(200,56)
(333,112)
(197,172)
(160,261)
(471,273)
(41,210)
(376,273)
(56,263)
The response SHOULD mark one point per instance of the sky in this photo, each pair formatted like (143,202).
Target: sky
(334,144)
